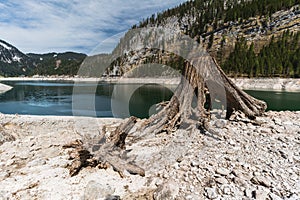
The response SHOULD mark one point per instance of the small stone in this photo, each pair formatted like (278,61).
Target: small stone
(261,180)
(288,123)
(114,197)
(277,121)
(199,178)
(283,154)
(240,181)
(265,130)
(294,197)
(260,194)
(221,123)
(96,190)
(186,179)
(10,162)
(195,163)
(226,190)
(165,175)
(184,168)
(221,180)
(223,171)
(280,129)
(211,193)
(59,161)
(3,175)
(274,196)
(168,190)
(192,190)
(237,173)
(256,173)
(36,162)
(248,193)
(231,142)
(179,159)
(158,182)
(230,151)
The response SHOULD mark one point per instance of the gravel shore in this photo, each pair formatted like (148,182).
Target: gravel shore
(4,88)
(282,84)
(243,161)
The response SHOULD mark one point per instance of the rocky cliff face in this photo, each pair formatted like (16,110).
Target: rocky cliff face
(257,30)
(218,41)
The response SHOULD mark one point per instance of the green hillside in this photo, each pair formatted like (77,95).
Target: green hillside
(258,38)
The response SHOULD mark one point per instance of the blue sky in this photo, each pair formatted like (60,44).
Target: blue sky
(41,26)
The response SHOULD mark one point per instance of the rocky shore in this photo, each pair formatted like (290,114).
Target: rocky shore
(244,160)
(282,84)
(4,88)
(145,80)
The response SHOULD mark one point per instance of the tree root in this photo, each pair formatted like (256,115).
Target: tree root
(185,108)
(108,153)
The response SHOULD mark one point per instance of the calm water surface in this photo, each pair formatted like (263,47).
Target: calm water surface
(55,98)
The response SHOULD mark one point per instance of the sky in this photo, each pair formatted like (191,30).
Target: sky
(41,26)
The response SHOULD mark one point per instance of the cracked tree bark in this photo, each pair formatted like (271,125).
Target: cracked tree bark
(186,108)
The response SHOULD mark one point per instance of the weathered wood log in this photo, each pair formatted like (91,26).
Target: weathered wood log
(106,152)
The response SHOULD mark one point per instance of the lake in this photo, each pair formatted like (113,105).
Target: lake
(106,99)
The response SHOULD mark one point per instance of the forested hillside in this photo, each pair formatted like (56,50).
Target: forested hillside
(248,38)
(281,57)
(15,63)
(66,63)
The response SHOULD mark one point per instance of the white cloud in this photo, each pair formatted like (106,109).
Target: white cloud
(64,25)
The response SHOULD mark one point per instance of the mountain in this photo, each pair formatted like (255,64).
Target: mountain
(53,63)
(10,54)
(15,63)
(248,38)
(12,61)
(253,38)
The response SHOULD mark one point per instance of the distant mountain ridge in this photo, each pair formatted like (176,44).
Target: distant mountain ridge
(248,38)
(10,54)
(13,62)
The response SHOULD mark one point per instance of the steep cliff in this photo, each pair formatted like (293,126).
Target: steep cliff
(238,31)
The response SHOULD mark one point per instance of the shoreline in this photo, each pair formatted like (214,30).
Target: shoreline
(276,84)
(146,80)
(4,88)
(246,159)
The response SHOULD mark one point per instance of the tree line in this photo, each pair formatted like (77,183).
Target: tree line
(217,12)
(279,58)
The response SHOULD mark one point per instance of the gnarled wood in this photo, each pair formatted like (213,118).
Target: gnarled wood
(186,108)
(107,152)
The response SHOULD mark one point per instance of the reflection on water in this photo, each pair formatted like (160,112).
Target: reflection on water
(55,98)
(37,98)
(278,100)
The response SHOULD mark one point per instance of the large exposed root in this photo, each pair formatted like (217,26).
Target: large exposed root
(186,108)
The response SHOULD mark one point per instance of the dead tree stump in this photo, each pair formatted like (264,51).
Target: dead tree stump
(186,107)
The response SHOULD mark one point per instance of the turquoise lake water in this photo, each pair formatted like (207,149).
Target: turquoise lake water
(95,99)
